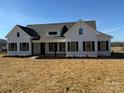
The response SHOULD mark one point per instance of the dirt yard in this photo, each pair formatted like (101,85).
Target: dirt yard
(26,75)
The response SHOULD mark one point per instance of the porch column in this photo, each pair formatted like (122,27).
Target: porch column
(96,48)
(32,48)
(66,49)
(109,45)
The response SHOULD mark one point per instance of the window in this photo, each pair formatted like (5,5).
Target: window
(72,46)
(80,31)
(12,46)
(24,46)
(62,46)
(103,46)
(18,34)
(88,46)
(52,47)
(52,33)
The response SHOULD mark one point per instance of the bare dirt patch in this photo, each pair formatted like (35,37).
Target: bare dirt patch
(26,75)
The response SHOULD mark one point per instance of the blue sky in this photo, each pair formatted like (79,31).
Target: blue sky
(109,14)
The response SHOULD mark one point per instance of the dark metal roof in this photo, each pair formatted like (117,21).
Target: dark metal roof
(30,32)
(64,30)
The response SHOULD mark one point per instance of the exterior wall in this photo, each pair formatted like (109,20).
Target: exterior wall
(89,34)
(12,38)
(36,48)
(48,52)
(102,37)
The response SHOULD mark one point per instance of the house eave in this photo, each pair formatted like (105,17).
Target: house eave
(101,33)
(50,39)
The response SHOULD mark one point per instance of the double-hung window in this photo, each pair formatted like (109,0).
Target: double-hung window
(62,47)
(12,46)
(53,47)
(24,46)
(72,46)
(88,46)
(103,46)
(80,31)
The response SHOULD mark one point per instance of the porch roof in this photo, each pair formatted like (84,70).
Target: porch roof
(50,39)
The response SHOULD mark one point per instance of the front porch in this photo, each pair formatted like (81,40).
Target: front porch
(49,47)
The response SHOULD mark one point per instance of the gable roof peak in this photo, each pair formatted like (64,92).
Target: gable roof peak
(30,32)
(80,20)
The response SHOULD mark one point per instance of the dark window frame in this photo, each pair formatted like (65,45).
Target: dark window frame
(73,46)
(62,47)
(12,46)
(91,46)
(24,46)
(52,33)
(103,45)
(80,31)
(18,34)
(53,47)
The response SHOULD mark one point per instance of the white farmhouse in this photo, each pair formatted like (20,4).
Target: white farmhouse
(69,39)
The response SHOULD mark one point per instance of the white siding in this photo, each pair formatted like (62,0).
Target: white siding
(103,37)
(36,48)
(49,52)
(24,37)
(88,35)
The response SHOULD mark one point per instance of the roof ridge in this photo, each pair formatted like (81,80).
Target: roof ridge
(52,23)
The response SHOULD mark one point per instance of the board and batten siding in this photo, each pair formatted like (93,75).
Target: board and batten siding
(23,38)
(89,34)
(103,37)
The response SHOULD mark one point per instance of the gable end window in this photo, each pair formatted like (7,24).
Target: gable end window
(80,31)
(18,34)
(52,33)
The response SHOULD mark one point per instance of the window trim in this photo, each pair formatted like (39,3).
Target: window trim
(70,47)
(80,31)
(92,46)
(52,47)
(18,34)
(12,48)
(106,46)
(26,48)
(61,45)
(52,33)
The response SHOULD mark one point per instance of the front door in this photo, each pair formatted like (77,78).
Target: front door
(42,48)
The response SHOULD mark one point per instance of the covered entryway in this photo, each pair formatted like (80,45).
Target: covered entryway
(42,48)
(52,46)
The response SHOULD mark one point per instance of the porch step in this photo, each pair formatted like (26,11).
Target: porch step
(34,57)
